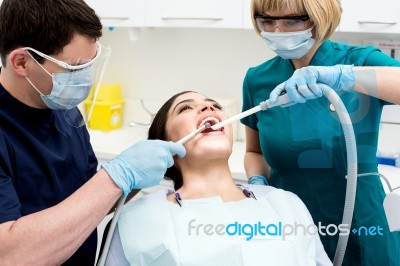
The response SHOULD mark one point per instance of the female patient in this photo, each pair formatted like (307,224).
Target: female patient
(208,219)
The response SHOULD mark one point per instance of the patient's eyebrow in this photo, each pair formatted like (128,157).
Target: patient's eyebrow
(192,100)
(184,101)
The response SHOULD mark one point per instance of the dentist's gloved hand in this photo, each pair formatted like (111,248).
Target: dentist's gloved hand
(258,180)
(302,85)
(143,164)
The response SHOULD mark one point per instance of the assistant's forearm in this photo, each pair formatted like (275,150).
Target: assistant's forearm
(379,82)
(255,164)
(51,236)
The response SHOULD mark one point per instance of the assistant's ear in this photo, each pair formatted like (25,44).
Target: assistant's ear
(17,60)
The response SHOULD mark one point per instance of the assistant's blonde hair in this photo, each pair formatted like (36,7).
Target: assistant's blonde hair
(325,14)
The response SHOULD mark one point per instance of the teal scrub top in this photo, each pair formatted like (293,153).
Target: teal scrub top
(304,146)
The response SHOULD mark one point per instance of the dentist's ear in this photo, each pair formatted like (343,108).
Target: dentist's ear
(17,60)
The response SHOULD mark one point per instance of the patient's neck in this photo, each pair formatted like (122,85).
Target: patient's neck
(209,179)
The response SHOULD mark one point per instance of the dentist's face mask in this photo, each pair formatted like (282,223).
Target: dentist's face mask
(73,85)
(69,88)
(289,45)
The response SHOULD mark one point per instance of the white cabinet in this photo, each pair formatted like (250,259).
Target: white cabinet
(370,16)
(194,13)
(247,22)
(373,17)
(120,13)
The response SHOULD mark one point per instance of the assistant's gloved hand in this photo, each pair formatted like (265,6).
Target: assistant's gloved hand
(302,85)
(143,164)
(258,180)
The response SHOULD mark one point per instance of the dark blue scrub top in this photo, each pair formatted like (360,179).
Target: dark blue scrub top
(43,160)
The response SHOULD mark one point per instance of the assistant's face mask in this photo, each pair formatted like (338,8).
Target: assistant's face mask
(289,45)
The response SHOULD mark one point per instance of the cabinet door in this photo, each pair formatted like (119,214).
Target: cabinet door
(120,13)
(372,16)
(247,23)
(194,13)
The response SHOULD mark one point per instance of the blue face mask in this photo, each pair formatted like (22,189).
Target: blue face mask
(289,45)
(69,88)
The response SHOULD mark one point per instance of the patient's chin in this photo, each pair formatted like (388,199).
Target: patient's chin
(217,150)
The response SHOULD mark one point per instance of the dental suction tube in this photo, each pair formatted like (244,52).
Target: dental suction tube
(351,152)
(282,100)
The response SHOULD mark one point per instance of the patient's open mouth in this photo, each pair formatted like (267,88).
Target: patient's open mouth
(212,121)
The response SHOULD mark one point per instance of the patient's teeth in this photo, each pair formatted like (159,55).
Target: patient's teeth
(210,119)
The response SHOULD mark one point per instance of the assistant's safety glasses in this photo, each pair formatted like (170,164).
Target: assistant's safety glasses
(284,23)
(64,64)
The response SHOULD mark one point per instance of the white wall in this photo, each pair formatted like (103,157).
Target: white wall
(164,61)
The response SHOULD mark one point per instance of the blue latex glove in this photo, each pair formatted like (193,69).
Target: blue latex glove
(258,180)
(302,85)
(143,164)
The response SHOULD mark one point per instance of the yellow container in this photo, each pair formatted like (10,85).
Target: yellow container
(107,109)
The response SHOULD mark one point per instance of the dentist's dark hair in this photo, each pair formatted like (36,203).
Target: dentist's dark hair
(45,25)
(158,130)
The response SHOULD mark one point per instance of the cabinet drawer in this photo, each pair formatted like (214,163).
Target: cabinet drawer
(374,17)
(194,13)
(247,22)
(120,13)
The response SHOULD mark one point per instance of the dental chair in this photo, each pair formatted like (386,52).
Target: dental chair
(136,193)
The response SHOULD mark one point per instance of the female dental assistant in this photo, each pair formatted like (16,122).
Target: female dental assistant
(301,148)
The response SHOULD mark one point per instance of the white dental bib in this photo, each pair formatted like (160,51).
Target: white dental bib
(208,231)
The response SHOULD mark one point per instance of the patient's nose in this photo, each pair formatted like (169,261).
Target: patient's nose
(208,107)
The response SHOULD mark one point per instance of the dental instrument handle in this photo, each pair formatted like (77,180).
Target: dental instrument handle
(193,134)
(281,101)
(236,117)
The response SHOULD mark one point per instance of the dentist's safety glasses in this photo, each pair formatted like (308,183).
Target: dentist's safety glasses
(73,84)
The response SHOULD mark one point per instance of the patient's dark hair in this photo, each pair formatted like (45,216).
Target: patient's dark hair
(158,130)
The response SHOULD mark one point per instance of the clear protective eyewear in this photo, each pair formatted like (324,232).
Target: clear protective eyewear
(89,73)
(284,23)
(64,64)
